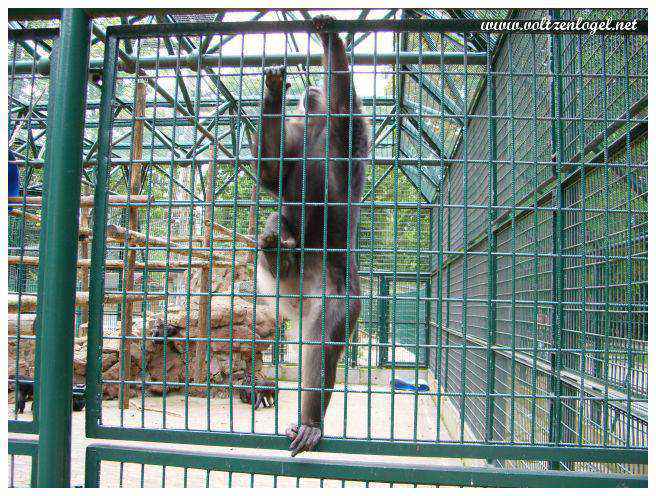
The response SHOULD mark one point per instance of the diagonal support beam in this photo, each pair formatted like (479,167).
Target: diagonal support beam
(430,138)
(448,80)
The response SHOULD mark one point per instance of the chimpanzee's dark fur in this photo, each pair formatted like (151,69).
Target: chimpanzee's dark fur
(307,184)
(25,392)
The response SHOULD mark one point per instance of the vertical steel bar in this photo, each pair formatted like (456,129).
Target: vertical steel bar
(398,91)
(302,248)
(447,313)
(415,405)
(255,213)
(201,350)
(91,468)
(383,319)
(536,289)
(205,318)
(491,246)
(174,135)
(85,215)
(513,242)
(607,244)
(59,253)
(630,221)
(583,239)
(372,220)
(349,242)
(324,255)
(440,261)
(190,233)
(148,169)
(238,130)
(21,241)
(98,246)
(465,256)
(555,410)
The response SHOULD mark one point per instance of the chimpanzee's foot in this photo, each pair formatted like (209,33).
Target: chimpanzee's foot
(269,247)
(304,438)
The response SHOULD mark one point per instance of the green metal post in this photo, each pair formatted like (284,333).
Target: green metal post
(383,320)
(447,313)
(91,468)
(555,409)
(491,249)
(59,254)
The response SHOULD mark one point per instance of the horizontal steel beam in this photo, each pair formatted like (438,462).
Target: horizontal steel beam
(442,449)
(374,471)
(218,60)
(18,14)
(405,25)
(252,101)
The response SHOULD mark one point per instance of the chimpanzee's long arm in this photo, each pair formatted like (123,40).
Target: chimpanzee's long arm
(268,146)
(337,81)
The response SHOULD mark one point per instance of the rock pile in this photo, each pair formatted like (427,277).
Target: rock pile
(177,350)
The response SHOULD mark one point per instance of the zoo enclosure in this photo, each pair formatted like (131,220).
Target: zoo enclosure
(482,208)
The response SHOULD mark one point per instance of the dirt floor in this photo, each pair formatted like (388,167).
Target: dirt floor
(112,474)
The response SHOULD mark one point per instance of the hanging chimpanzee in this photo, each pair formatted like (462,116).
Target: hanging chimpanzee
(340,143)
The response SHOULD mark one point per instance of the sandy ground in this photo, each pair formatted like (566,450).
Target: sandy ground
(380,420)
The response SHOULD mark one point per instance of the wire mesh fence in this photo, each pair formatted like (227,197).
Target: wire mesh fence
(546,277)
(28,95)
(23,454)
(109,466)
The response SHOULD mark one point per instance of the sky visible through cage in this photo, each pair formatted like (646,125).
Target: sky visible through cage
(297,43)
(362,74)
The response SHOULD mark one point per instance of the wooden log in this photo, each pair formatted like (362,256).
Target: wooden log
(238,237)
(199,364)
(27,261)
(136,238)
(28,301)
(84,232)
(118,264)
(178,264)
(201,239)
(135,187)
(85,214)
(250,257)
(85,201)
(82,297)
(26,215)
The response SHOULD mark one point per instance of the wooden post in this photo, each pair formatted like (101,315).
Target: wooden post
(135,187)
(250,258)
(200,362)
(251,223)
(85,213)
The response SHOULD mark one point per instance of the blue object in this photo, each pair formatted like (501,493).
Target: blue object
(406,386)
(13,177)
